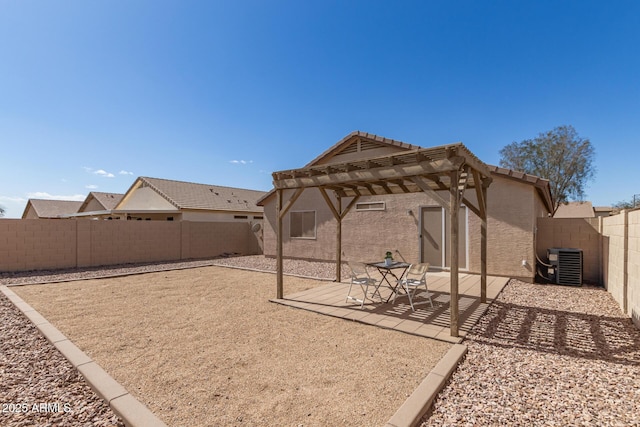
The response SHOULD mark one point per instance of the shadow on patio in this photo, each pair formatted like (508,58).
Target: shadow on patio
(425,321)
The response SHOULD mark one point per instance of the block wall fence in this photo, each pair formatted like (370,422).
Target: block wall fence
(43,244)
(611,252)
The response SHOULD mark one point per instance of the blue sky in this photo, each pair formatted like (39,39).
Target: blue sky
(96,93)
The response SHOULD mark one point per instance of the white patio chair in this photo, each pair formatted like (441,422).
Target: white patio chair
(360,276)
(414,278)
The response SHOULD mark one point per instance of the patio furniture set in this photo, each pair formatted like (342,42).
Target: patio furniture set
(407,280)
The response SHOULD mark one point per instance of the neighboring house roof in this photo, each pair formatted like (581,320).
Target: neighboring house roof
(575,210)
(189,195)
(51,208)
(107,201)
(603,210)
(366,143)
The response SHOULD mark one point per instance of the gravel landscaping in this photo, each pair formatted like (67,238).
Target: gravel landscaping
(546,355)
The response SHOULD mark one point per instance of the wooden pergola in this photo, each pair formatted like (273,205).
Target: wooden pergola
(452,168)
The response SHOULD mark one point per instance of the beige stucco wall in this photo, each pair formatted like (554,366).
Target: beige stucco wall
(54,244)
(512,208)
(93,206)
(31,213)
(145,198)
(366,236)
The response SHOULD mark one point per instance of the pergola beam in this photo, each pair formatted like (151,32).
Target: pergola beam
(289,180)
(431,193)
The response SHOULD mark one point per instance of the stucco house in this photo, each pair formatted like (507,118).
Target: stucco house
(48,209)
(98,205)
(413,226)
(170,200)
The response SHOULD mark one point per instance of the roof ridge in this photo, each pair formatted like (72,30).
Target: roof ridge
(361,134)
(200,183)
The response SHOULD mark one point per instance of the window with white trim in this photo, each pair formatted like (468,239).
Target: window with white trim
(371,206)
(302,225)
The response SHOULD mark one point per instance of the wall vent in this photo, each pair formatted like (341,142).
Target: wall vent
(566,266)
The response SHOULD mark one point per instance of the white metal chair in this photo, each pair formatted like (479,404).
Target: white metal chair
(414,278)
(360,276)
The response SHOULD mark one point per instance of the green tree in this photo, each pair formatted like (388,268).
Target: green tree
(559,155)
(1,211)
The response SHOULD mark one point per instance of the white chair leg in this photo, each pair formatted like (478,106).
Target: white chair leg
(349,292)
(410,298)
(365,289)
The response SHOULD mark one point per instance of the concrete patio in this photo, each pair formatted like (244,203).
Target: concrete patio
(425,321)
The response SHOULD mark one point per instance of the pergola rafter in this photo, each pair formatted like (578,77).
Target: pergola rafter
(452,168)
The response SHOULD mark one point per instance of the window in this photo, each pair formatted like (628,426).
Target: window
(370,206)
(303,225)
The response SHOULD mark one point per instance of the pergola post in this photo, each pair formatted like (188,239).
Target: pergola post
(339,242)
(281,210)
(483,246)
(279,274)
(338,214)
(454,203)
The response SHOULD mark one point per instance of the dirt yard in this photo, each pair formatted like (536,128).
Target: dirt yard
(205,347)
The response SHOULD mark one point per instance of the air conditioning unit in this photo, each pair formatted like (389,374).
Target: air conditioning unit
(566,266)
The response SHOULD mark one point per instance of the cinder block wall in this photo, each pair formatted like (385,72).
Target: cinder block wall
(621,260)
(208,239)
(633,267)
(36,244)
(121,242)
(39,244)
(578,233)
(613,259)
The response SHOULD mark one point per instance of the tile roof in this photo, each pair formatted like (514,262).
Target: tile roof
(45,208)
(108,200)
(346,141)
(189,195)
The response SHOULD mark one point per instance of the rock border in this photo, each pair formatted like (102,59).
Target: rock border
(414,408)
